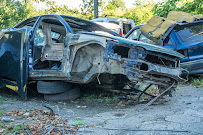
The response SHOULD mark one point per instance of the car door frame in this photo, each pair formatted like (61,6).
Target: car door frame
(32,36)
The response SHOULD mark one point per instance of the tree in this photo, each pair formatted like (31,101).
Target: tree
(11,12)
(14,11)
(87,8)
(195,7)
(118,3)
(190,6)
(114,8)
(140,13)
(111,10)
(137,3)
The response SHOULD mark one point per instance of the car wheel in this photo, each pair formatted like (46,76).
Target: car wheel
(52,87)
(72,94)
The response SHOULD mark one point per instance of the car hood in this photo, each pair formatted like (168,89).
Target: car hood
(149,47)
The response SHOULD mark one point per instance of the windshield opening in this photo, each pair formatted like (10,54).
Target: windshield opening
(190,33)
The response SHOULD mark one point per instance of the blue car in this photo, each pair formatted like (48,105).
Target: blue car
(186,39)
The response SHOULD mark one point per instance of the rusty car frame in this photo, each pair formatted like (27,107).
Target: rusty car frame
(63,48)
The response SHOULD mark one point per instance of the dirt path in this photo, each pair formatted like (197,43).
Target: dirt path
(182,114)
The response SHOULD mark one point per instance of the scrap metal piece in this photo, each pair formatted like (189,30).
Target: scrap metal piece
(143,92)
(50,109)
(149,103)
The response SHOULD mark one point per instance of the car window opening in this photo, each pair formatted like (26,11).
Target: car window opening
(145,39)
(135,34)
(126,28)
(190,33)
(168,41)
(49,45)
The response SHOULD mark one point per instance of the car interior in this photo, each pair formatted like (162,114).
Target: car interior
(49,39)
(49,45)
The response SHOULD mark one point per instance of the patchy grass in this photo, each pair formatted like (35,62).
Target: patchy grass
(12,129)
(102,123)
(1,113)
(92,96)
(144,120)
(89,97)
(2,99)
(115,99)
(101,98)
(196,81)
(2,125)
(15,99)
(78,123)
(107,100)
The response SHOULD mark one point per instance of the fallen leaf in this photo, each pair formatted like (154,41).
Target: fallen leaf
(10,128)
(120,103)
(21,113)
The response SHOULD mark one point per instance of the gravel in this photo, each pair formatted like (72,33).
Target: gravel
(179,115)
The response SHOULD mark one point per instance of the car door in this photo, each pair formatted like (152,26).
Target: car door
(47,50)
(13,60)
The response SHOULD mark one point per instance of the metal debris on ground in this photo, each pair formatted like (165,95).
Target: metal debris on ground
(134,95)
(158,96)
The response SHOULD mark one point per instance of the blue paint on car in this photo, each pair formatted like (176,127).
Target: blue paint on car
(182,40)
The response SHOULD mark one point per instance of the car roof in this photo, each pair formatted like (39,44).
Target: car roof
(107,19)
(36,17)
(109,25)
(68,19)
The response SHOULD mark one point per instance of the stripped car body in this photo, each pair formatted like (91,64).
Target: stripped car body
(59,47)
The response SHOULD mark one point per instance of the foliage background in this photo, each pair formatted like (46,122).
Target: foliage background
(14,11)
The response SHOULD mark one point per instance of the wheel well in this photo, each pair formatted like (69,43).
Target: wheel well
(85,56)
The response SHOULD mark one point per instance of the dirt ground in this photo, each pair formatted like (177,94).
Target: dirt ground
(179,115)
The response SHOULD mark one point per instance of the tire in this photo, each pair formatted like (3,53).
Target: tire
(52,87)
(72,94)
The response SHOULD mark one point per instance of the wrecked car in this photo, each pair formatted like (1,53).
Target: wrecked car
(125,24)
(111,26)
(60,52)
(181,32)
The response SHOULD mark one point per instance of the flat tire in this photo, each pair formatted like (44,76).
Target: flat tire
(72,94)
(52,87)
